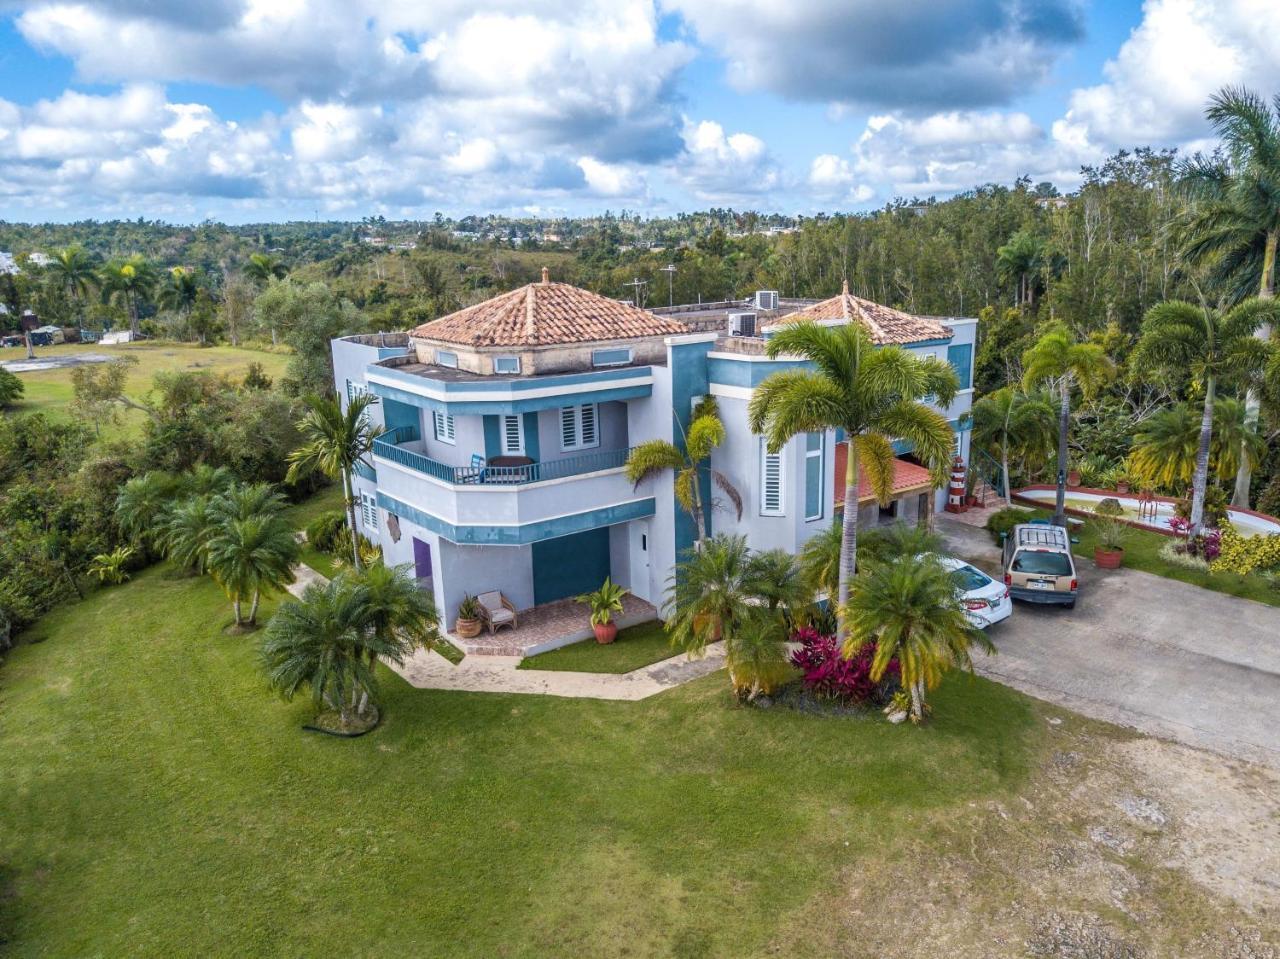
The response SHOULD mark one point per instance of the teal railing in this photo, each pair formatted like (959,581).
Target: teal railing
(387,447)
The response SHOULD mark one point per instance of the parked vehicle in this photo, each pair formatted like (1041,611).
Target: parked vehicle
(985,601)
(1038,565)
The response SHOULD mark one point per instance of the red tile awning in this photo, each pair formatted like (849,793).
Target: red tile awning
(907,478)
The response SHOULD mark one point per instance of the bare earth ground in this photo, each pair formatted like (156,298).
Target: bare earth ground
(1120,847)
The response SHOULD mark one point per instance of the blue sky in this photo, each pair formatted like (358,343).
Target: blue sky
(249,110)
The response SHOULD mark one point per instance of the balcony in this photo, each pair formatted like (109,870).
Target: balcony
(512,505)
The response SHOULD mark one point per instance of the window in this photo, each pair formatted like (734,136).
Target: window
(369,512)
(813,476)
(961,359)
(612,357)
(578,427)
(444,426)
(506,364)
(447,358)
(513,434)
(770,482)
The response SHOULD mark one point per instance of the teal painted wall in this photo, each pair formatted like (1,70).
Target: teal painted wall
(531,437)
(570,565)
(396,414)
(492,438)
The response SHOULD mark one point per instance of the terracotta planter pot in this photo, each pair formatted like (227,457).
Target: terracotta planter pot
(1073,477)
(467,628)
(1108,558)
(1122,487)
(972,500)
(606,632)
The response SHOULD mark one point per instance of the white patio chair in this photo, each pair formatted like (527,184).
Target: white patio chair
(497,610)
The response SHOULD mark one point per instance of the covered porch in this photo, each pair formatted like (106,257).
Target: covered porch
(549,626)
(911,500)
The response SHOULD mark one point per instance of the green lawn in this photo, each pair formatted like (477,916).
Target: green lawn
(50,390)
(157,800)
(635,646)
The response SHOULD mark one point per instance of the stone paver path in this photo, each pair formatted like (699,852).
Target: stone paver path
(304,576)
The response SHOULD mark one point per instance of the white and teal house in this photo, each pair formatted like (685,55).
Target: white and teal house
(509,423)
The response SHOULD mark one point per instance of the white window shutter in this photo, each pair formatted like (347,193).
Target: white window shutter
(568,428)
(589,424)
(770,482)
(512,434)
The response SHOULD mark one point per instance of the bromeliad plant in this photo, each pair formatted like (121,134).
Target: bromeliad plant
(604,602)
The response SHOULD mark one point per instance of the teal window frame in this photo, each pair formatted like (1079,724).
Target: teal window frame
(814,465)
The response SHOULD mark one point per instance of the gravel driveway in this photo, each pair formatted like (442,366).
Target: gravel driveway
(1164,657)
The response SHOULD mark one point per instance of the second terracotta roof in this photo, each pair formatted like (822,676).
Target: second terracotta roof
(885,324)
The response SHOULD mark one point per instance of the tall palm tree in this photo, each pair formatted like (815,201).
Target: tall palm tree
(872,393)
(75,273)
(1017,262)
(1058,361)
(1233,225)
(1166,444)
(335,441)
(251,556)
(320,643)
(705,433)
(912,613)
(263,267)
(180,290)
(1214,347)
(1011,422)
(130,282)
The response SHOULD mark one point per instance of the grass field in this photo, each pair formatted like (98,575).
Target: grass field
(159,801)
(635,646)
(50,390)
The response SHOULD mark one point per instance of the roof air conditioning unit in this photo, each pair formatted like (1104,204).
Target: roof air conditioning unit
(766,299)
(742,324)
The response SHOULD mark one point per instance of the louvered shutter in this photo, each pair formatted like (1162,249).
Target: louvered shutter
(568,428)
(770,482)
(588,425)
(512,434)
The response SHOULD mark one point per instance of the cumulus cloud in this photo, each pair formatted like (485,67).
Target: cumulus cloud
(913,55)
(719,166)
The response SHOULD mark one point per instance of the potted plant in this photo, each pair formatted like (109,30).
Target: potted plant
(604,602)
(1122,483)
(1073,474)
(469,620)
(1112,533)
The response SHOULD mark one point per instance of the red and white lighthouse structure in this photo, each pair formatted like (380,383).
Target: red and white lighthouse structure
(955,489)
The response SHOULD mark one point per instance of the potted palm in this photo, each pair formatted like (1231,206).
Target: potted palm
(604,602)
(1112,533)
(469,621)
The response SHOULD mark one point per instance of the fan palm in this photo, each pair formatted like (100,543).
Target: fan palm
(73,270)
(1214,347)
(320,643)
(1058,361)
(912,613)
(143,504)
(1013,423)
(334,442)
(1233,225)
(705,433)
(873,394)
(129,282)
(251,556)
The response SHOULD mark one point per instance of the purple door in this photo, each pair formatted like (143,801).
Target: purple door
(421,559)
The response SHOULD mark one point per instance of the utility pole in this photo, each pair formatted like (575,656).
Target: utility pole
(639,285)
(670,270)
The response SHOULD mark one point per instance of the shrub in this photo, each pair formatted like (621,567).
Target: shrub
(1002,522)
(1176,553)
(11,388)
(1244,555)
(827,673)
(322,532)
(1109,507)
(1215,506)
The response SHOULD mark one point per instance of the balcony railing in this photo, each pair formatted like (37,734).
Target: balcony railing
(387,447)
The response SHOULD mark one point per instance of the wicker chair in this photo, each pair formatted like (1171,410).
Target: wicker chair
(497,610)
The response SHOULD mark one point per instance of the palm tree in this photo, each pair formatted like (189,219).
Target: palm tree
(129,282)
(335,442)
(873,394)
(1180,337)
(705,433)
(1012,422)
(263,267)
(206,480)
(1017,262)
(143,503)
(820,560)
(247,500)
(756,654)
(709,592)
(776,579)
(402,614)
(186,534)
(320,643)
(1233,226)
(251,556)
(1060,362)
(180,291)
(74,272)
(911,612)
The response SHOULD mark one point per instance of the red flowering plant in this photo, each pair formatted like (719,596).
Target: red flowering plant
(827,673)
(1206,546)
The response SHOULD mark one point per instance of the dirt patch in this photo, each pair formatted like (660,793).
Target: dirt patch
(63,361)
(1118,847)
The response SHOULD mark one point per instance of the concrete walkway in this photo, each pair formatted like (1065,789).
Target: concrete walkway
(1164,657)
(427,669)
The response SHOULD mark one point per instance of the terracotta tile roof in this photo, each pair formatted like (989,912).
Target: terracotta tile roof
(885,324)
(907,477)
(545,313)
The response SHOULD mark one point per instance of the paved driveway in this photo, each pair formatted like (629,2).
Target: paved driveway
(1165,657)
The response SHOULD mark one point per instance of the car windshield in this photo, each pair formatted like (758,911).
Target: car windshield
(1043,562)
(968,579)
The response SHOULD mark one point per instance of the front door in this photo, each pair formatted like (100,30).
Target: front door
(640,551)
(422,563)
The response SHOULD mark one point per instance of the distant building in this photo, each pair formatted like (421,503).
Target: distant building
(39,259)
(8,264)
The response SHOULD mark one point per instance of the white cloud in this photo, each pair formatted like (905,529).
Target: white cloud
(610,179)
(716,166)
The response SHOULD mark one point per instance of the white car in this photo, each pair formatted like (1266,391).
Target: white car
(985,600)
